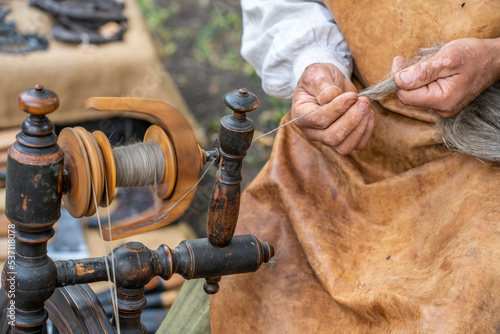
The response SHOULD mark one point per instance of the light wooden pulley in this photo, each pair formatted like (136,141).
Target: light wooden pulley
(173,163)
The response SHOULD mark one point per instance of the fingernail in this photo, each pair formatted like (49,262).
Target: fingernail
(405,77)
(349,103)
(362,106)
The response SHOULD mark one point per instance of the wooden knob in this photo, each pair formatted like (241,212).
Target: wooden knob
(241,101)
(211,286)
(38,101)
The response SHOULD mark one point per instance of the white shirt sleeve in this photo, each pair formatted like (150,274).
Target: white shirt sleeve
(281,38)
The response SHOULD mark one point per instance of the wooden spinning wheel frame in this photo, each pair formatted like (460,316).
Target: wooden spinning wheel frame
(86,178)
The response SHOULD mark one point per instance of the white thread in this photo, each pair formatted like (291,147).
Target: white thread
(166,213)
(113,296)
(289,122)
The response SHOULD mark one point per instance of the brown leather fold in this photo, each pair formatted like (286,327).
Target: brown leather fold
(401,237)
(414,252)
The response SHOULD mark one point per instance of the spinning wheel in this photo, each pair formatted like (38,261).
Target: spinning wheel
(84,170)
(71,309)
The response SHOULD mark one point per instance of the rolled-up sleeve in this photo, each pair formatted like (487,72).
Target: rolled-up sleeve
(281,38)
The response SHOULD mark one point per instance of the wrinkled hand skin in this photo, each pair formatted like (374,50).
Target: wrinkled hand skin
(345,122)
(452,78)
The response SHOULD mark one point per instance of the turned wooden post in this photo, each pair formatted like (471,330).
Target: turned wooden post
(33,205)
(235,137)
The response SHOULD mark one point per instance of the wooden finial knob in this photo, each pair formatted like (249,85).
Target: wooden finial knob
(38,101)
(241,101)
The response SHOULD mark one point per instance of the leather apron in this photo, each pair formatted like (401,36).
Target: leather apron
(401,237)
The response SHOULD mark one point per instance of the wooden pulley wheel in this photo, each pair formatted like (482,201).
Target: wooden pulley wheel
(156,134)
(96,162)
(73,309)
(189,159)
(77,198)
(109,166)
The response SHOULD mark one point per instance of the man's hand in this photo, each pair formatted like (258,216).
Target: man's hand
(452,78)
(345,123)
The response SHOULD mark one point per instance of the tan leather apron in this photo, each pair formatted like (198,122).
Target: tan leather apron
(401,237)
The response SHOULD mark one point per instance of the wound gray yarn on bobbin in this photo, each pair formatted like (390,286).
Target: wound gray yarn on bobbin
(139,165)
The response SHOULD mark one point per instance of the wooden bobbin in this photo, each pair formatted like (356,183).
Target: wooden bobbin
(109,166)
(96,162)
(85,165)
(76,162)
(156,134)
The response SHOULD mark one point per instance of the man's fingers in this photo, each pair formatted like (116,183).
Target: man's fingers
(368,132)
(328,113)
(423,73)
(340,129)
(319,78)
(420,96)
(342,115)
(328,94)
(353,139)
(438,96)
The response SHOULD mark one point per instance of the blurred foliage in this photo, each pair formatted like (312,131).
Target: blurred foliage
(155,17)
(218,41)
(214,125)
(207,34)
